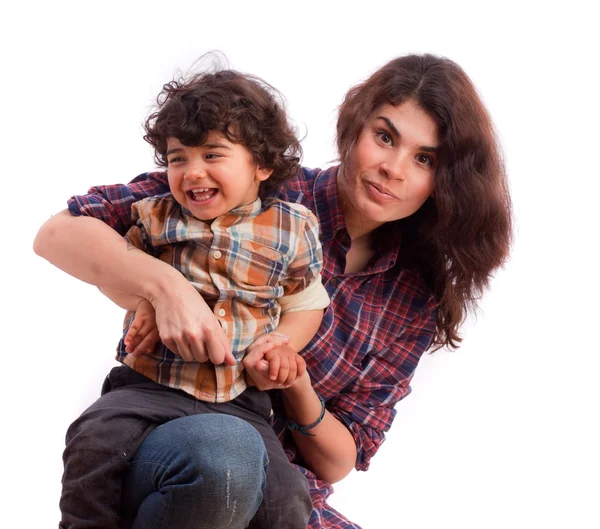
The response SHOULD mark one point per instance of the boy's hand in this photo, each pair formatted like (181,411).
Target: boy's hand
(273,367)
(142,335)
(285,365)
(263,344)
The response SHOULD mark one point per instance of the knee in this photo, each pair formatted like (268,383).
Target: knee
(214,449)
(205,467)
(88,431)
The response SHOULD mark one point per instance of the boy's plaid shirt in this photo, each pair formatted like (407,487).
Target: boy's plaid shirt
(241,263)
(378,324)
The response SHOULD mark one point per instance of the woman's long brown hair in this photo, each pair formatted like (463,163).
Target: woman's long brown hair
(463,232)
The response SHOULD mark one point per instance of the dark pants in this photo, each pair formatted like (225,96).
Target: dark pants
(101,443)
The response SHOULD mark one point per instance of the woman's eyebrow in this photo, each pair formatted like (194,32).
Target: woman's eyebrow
(396,133)
(428,149)
(392,127)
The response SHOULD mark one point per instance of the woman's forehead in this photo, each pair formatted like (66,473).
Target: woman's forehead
(409,121)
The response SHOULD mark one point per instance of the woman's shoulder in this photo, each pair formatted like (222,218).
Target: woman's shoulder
(303,182)
(304,186)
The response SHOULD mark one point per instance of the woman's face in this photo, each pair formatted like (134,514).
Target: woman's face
(389,174)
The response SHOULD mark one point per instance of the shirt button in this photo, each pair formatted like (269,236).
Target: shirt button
(217,254)
(222,312)
(333,282)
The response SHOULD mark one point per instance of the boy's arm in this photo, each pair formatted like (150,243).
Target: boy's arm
(304,297)
(300,327)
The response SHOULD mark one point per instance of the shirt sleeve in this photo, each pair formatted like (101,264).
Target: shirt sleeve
(138,235)
(313,297)
(112,203)
(366,406)
(308,259)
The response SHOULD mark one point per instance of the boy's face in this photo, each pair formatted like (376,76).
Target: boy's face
(214,178)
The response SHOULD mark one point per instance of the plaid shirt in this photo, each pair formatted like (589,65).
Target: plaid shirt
(241,263)
(378,324)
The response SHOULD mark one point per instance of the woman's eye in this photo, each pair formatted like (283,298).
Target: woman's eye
(210,156)
(175,159)
(424,159)
(384,137)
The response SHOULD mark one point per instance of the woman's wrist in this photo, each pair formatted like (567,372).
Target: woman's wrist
(301,388)
(305,429)
(302,404)
(165,282)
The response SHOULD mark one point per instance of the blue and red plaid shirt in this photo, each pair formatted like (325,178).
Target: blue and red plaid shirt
(377,326)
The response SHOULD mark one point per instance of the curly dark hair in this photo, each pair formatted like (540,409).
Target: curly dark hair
(243,108)
(463,232)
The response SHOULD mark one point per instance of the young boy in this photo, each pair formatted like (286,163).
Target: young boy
(256,261)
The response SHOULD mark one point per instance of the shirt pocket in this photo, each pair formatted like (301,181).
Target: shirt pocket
(261,265)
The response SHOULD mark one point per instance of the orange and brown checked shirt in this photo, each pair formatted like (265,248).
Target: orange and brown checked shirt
(249,265)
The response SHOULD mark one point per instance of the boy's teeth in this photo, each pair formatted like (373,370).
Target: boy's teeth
(203,193)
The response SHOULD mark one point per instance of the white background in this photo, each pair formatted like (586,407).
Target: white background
(502,433)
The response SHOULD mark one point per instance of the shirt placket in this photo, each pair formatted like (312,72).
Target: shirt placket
(217,265)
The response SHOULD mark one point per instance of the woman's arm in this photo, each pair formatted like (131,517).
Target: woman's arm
(354,426)
(330,452)
(88,249)
(125,301)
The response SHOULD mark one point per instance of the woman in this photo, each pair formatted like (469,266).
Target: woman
(413,222)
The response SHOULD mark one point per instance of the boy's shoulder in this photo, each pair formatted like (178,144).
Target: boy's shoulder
(284,207)
(159,207)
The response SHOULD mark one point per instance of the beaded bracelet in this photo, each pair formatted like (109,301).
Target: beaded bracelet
(303,429)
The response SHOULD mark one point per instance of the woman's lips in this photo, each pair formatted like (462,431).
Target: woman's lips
(379,192)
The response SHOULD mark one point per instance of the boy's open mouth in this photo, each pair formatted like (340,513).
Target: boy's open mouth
(202,194)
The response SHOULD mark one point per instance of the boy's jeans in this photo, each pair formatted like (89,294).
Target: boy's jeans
(207,466)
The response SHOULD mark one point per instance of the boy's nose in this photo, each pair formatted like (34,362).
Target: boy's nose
(195,172)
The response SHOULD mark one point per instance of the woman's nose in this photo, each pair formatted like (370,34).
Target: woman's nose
(394,167)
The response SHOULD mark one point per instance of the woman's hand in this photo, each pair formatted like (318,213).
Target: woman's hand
(187,326)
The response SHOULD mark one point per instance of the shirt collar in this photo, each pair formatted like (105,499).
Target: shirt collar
(327,205)
(247,210)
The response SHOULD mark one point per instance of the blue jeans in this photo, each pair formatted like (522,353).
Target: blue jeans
(184,463)
(197,472)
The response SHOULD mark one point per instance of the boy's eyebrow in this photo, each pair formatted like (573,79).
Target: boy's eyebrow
(173,150)
(205,145)
(216,146)
(396,133)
